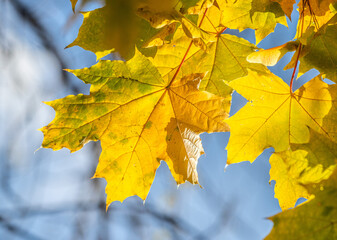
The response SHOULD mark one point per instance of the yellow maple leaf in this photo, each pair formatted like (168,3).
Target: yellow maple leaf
(271,56)
(261,15)
(299,126)
(313,220)
(140,118)
(224,60)
(276,117)
(305,164)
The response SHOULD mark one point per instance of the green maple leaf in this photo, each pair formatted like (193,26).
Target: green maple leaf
(105,30)
(320,52)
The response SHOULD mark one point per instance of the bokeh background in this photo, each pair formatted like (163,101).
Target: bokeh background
(49,195)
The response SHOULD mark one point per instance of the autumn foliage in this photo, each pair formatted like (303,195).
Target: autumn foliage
(180,69)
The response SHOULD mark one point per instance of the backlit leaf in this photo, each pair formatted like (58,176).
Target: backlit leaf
(262,15)
(315,21)
(271,56)
(305,164)
(224,60)
(314,8)
(320,53)
(140,118)
(287,6)
(314,220)
(105,30)
(275,117)
(154,108)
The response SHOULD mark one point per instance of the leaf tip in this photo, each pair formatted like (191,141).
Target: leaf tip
(68,70)
(50,103)
(96,175)
(40,129)
(71,45)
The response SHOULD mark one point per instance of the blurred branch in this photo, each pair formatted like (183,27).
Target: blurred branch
(28,17)
(178,223)
(43,34)
(30,211)
(18,230)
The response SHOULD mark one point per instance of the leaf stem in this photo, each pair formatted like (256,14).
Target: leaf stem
(301,19)
(295,68)
(222,31)
(186,53)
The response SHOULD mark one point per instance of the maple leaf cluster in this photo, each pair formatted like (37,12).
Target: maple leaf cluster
(176,82)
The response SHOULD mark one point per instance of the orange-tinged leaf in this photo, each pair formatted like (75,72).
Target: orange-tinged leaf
(315,7)
(140,118)
(287,6)
(314,21)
